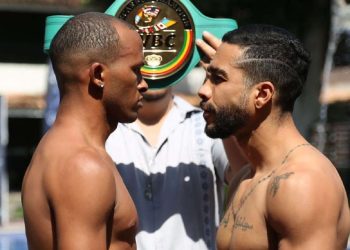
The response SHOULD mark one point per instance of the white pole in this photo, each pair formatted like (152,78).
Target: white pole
(4,183)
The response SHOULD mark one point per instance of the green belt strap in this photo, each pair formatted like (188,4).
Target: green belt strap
(216,26)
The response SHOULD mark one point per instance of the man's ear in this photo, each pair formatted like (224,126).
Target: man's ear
(264,93)
(97,71)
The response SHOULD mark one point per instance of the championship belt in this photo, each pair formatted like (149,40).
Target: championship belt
(168,29)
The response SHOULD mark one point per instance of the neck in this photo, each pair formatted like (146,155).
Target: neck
(154,111)
(152,116)
(268,145)
(87,117)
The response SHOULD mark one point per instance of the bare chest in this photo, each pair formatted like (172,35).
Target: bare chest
(125,219)
(244,224)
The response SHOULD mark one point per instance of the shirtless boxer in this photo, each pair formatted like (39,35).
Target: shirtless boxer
(292,196)
(72,195)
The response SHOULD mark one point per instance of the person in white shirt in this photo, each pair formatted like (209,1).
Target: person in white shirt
(173,171)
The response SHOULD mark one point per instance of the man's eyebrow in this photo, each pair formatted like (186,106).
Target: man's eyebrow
(217,71)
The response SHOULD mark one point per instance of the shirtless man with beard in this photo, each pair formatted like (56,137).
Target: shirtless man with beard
(292,196)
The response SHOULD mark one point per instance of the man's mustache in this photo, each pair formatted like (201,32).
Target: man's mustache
(207,107)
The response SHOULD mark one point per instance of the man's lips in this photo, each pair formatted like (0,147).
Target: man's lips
(206,115)
(202,105)
(140,102)
(206,108)
(206,111)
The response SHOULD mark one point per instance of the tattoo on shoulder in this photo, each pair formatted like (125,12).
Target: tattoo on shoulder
(276,182)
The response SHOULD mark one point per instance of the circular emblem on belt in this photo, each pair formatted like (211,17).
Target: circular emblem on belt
(167,32)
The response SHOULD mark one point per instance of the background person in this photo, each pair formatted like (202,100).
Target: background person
(293,197)
(173,171)
(73,196)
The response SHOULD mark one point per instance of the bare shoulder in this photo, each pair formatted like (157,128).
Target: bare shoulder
(82,176)
(300,188)
(308,171)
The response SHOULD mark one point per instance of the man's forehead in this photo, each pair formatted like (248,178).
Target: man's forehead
(229,51)
(130,42)
(226,55)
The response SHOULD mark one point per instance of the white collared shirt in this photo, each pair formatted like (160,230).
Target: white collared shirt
(177,185)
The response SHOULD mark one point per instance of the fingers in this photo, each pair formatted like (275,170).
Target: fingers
(207,52)
(212,40)
(207,47)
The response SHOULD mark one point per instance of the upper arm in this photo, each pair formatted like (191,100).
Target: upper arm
(82,203)
(302,210)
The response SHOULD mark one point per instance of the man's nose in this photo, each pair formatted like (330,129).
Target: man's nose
(204,91)
(142,86)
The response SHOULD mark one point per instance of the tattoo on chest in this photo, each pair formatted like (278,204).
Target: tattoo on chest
(276,182)
(242,224)
(226,219)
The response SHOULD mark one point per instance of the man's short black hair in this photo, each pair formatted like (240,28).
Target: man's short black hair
(90,34)
(272,54)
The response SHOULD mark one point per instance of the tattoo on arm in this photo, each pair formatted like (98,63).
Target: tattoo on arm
(276,182)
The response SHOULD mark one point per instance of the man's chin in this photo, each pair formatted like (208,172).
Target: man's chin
(214,132)
(130,118)
(211,132)
(153,96)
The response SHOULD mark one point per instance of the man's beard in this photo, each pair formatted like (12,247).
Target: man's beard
(228,120)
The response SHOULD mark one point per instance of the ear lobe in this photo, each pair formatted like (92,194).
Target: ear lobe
(97,74)
(265,92)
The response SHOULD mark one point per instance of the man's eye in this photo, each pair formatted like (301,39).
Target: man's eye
(216,79)
(137,71)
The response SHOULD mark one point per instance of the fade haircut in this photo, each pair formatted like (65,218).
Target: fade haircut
(90,34)
(272,54)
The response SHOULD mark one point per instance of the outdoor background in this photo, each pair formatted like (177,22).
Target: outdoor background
(322,113)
